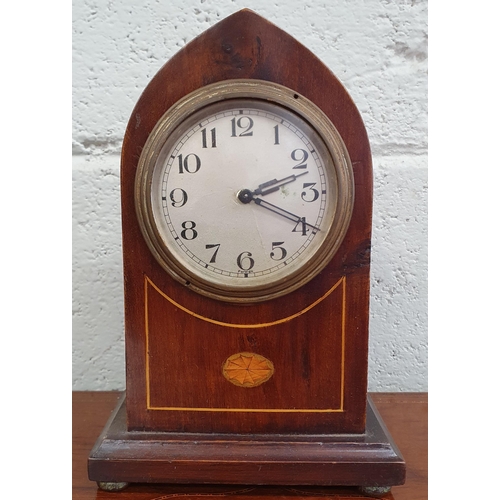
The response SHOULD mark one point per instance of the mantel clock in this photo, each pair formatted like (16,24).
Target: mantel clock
(246,186)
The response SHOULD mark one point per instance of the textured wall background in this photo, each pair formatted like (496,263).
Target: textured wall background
(378,49)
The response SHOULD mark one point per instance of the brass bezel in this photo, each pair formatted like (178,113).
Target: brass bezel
(339,166)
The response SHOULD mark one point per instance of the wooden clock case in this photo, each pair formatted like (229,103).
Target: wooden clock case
(181,421)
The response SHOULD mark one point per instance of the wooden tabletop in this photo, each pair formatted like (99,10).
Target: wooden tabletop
(405,415)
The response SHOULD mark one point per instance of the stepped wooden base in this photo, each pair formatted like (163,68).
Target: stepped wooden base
(367,460)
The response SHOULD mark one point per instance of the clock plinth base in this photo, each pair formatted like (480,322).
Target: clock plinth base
(370,459)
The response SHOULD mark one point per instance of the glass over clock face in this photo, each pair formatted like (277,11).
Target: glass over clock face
(244,199)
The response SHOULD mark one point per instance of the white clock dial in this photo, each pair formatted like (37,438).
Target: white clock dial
(242,196)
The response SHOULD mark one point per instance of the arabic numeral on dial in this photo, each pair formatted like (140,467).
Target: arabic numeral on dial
(245,261)
(191,163)
(276,135)
(214,256)
(301,227)
(178,197)
(278,252)
(204,138)
(188,232)
(301,156)
(306,195)
(245,123)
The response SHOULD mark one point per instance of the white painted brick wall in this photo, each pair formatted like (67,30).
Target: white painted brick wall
(378,49)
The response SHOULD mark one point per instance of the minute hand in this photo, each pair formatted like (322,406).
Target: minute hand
(284,213)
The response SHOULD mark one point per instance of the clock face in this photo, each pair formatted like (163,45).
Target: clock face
(242,198)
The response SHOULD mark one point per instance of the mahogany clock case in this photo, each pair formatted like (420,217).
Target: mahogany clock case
(189,336)
(316,337)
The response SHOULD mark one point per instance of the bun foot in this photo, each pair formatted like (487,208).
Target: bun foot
(375,491)
(110,486)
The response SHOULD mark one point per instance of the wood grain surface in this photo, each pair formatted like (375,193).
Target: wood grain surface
(405,416)
(174,358)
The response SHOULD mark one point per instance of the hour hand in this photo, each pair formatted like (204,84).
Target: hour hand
(274,184)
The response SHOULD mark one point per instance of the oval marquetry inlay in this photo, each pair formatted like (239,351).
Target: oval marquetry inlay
(247,369)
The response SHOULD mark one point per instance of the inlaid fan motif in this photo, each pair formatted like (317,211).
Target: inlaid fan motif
(246,369)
